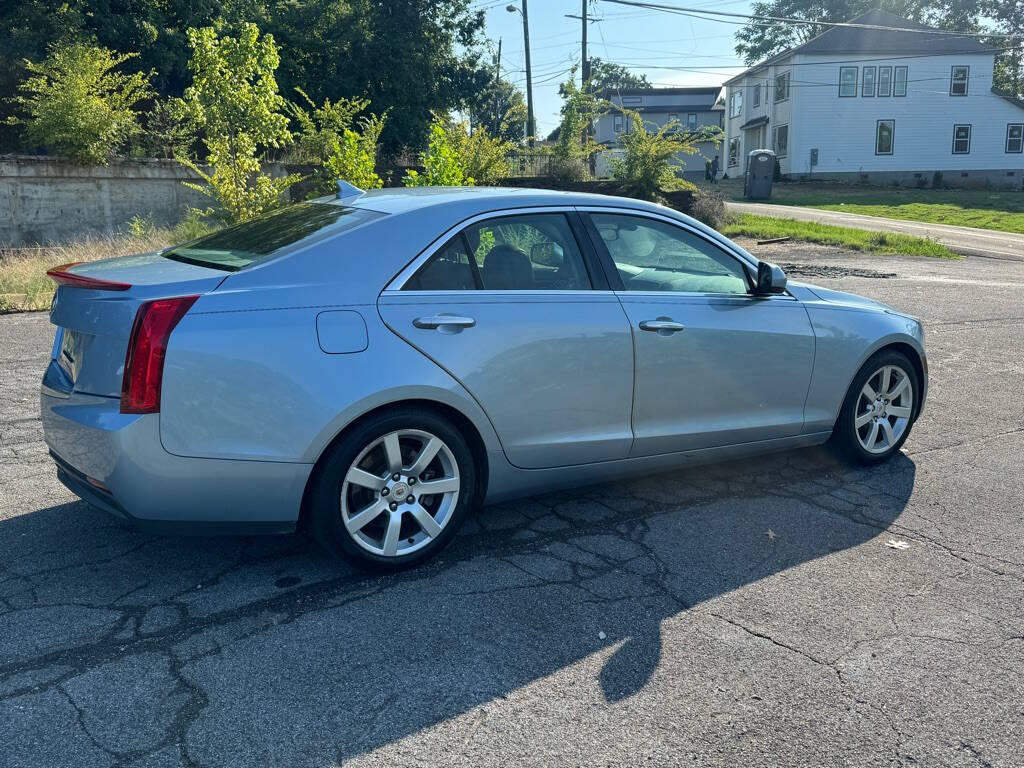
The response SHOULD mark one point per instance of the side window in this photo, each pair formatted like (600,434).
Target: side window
(448,270)
(652,255)
(536,252)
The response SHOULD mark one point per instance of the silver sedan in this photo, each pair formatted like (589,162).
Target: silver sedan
(376,365)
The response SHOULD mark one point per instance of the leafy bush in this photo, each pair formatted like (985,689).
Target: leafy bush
(708,208)
(442,162)
(234,98)
(484,157)
(77,105)
(646,166)
(328,139)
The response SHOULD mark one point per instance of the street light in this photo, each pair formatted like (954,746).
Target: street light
(524,11)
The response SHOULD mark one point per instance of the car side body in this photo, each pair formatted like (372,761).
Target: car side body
(274,363)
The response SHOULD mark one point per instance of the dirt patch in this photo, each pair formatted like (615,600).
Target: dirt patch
(831,270)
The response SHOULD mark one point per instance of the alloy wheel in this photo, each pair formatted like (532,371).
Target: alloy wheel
(884,408)
(400,492)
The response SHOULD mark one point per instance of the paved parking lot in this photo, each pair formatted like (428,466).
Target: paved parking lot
(744,614)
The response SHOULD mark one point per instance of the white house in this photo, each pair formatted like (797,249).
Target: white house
(693,108)
(879,106)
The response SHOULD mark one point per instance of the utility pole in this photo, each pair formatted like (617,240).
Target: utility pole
(512,8)
(586,84)
(585,60)
(497,87)
(530,126)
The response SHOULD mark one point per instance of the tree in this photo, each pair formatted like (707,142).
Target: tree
(234,98)
(607,75)
(442,162)
(409,56)
(758,40)
(78,105)
(570,157)
(500,109)
(1009,20)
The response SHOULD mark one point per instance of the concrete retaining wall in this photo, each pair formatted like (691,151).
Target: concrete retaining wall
(48,200)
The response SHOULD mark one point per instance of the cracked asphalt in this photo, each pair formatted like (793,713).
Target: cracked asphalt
(748,613)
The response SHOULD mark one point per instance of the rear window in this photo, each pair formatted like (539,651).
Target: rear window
(253,241)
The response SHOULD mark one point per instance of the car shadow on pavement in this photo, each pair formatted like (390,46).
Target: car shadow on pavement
(265,651)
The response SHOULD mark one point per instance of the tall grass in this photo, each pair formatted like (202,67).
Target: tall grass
(24,285)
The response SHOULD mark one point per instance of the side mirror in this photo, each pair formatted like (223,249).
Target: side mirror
(547,254)
(770,279)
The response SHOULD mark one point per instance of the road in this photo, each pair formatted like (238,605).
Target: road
(746,614)
(970,241)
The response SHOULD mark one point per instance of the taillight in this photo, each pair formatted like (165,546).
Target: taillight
(61,276)
(147,346)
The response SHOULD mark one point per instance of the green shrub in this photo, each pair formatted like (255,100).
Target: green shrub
(328,138)
(77,105)
(645,166)
(442,162)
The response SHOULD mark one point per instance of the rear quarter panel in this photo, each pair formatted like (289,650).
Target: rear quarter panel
(845,337)
(256,384)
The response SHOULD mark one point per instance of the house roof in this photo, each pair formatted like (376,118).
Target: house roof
(695,99)
(860,40)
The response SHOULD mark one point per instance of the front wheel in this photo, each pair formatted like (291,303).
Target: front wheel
(879,409)
(393,491)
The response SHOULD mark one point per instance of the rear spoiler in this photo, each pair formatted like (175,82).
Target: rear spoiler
(62,276)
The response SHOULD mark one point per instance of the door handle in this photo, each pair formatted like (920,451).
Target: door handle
(663,326)
(444,323)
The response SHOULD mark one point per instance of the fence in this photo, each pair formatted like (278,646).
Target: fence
(529,165)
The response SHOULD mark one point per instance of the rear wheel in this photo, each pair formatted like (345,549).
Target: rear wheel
(879,409)
(394,491)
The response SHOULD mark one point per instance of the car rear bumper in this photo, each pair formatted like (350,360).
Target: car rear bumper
(115,461)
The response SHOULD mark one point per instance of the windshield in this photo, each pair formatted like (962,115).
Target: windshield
(252,241)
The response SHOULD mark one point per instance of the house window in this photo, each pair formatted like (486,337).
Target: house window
(782,87)
(884,81)
(884,130)
(617,123)
(961,139)
(780,140)
(868,82)
(899,81)
(691,121)
(958,81)
(847,82)
(736,103)
(1015,137)
(757,95)
(734,152)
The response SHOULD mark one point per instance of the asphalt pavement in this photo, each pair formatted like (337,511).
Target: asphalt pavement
(782,611)
(981,243)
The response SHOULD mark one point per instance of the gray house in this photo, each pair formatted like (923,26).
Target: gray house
(694,108)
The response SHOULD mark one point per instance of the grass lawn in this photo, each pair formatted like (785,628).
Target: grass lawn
(766,227)
(988,209)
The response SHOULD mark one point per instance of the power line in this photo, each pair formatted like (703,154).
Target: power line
(684,11)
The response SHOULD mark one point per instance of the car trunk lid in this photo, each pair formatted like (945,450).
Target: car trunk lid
(95,306)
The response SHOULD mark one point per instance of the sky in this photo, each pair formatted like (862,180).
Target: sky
(643,40)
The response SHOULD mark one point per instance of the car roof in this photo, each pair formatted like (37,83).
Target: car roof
(472,200)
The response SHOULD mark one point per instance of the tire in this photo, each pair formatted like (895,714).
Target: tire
(870,430)
(355,499)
